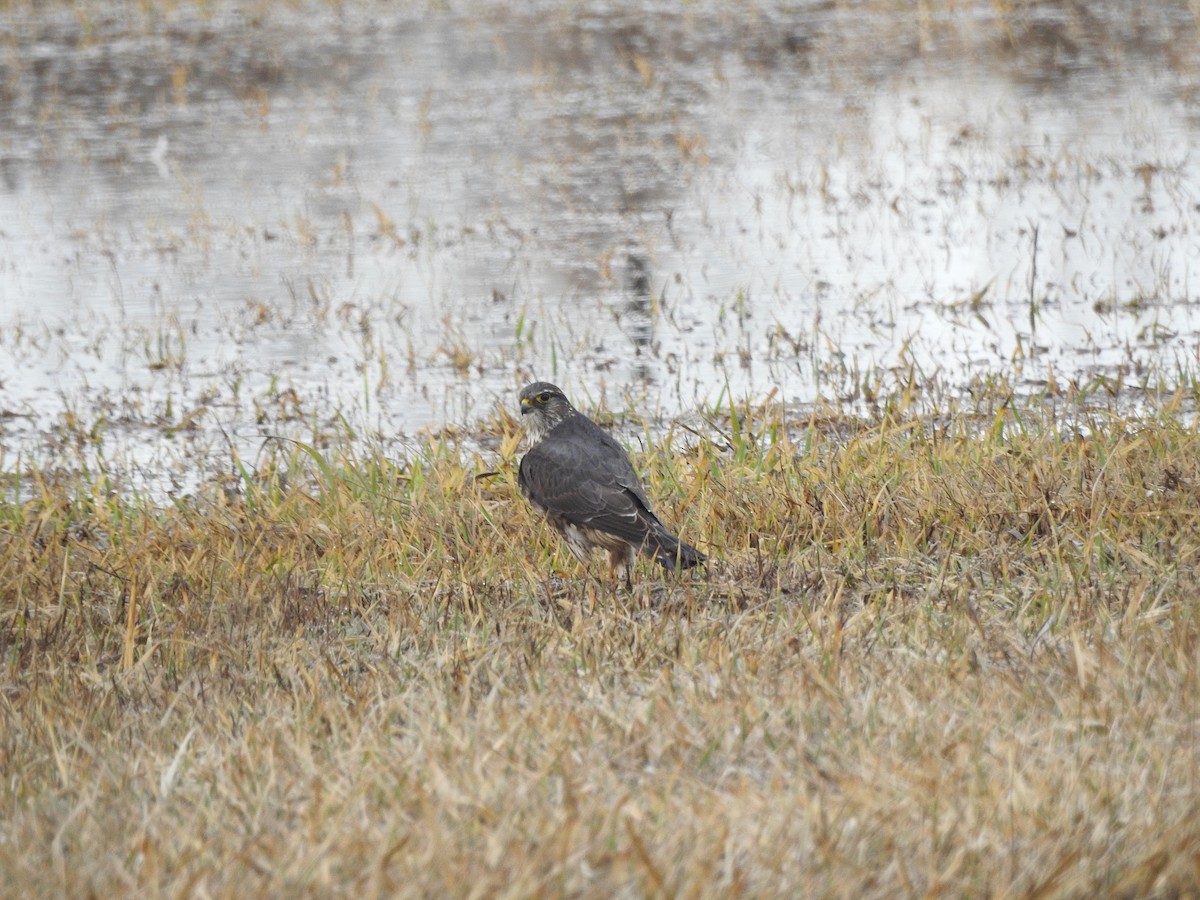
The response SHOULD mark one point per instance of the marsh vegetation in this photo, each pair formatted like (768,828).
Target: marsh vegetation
(951,654)
(894,308)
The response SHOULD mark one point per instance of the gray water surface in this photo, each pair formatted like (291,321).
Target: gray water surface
(220,219)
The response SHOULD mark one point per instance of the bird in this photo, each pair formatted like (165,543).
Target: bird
(581,479)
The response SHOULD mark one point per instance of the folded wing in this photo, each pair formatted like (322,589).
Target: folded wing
(581,475)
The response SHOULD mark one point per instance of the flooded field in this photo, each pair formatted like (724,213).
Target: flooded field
(895,303)
(221,221)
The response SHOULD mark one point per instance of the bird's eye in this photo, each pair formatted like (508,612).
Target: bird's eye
(543,397)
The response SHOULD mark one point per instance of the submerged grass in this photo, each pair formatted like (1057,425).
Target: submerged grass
(951,653)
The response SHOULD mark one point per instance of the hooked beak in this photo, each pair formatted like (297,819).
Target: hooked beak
(526,405)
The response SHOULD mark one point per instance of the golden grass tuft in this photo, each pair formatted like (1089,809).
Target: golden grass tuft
(951,654)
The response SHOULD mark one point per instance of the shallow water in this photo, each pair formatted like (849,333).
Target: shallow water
(216,224)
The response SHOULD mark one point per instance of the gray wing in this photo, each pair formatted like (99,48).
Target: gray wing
(581,475)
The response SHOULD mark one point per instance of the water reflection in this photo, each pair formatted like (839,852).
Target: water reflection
(403,213)
(639,325)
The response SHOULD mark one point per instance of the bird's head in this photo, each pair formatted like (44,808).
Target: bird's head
(543,406)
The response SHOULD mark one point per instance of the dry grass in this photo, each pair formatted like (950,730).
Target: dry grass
(952,654)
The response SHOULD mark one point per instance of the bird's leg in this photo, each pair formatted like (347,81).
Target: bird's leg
(594,589)
(620,562)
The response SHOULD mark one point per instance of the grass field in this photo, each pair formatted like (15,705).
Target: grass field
(948,640)
(948,653)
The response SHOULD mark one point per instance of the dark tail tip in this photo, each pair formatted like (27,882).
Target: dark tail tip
(674,554)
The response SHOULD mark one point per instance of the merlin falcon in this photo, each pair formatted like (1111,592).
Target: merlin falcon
(583,482)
